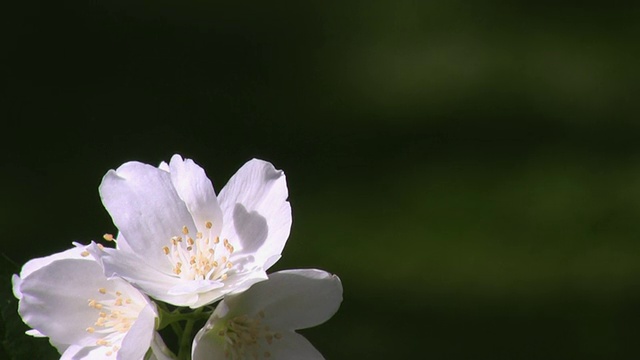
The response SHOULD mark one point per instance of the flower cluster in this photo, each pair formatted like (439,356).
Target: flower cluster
(184,256)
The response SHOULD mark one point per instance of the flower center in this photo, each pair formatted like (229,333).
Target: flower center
(116,315)
(246,337)
(202,258)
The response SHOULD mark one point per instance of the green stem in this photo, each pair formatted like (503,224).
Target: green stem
(184,351)
(170,318)
(177,328)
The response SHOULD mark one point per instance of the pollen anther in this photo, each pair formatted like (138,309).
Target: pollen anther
(114,317)
(243,335)
(200,258)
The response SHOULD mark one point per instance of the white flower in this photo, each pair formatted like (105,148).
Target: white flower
(67,298)
(260,323)
(182,244)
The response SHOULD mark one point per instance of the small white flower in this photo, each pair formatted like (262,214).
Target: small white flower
(182,244)
(260,323)
(67,298)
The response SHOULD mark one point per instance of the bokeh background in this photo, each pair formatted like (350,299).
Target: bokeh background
(471,170)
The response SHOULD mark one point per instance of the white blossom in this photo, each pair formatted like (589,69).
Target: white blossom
(260,323)
(67,298)
(180,242)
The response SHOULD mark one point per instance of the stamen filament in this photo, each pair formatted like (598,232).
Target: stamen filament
(200,258)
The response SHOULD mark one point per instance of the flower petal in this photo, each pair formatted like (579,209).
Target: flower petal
(292,346)
(122,244)
(138,339)
(206,345)
(34,333)
(195,287)
(234,284)
(76,352)
(133,269)
(291,299)
(15,286)
(238,283)
(257,215)
(134,346)
(164,166)
(37,263)
(54,299)
(146,208)
(195,189)
(62,301)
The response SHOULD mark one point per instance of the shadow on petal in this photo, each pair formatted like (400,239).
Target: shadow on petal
(272,175)
(251,228)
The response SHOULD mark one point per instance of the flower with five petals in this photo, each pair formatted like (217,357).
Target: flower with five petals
(181,243)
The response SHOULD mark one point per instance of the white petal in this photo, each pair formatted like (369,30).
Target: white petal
(291,299)
(75,352)
(257,215)
(195,189)
(195,287)
(271,260)
(238,283)
(15,286)
(133,269)
(122,244)
(146,208)
(207,345)
(138,339)
(35,264)
(34,333)
(164,166)
(134,346)
(78,352)
(54,300)
(234,284)
(292,346)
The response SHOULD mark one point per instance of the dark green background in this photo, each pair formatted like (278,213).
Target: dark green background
(471,170)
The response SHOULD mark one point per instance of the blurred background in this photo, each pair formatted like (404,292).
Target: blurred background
(471,170)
